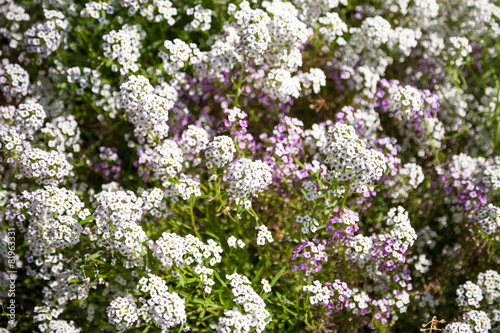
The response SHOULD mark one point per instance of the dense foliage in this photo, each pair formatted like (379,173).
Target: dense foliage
(212,166)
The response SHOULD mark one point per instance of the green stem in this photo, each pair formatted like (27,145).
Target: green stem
(207,309)
(238,87)
(191,205)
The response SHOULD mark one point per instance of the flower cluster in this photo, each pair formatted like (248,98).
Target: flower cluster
(146,110)
(350,160)
(220,151)
(123,47)
(165,309)
(246,179)
(14,81)
(251,302)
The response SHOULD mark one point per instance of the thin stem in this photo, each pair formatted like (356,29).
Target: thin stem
(207,309)
(238,87)
(191,205)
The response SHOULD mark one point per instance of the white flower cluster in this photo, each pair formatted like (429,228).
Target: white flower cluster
(315,78)
(165,309)
(350,160)
(489,282)
(202,18)
(266,286)
(52,214)
(458,328)
(459,50)
(263,235)
(146,110)
(13,141)
(332,27)
(29,117)
(178,55)
(63,133)
(59,326)
(194,139)
(14,81)
(253,34)
(377,29)
(84,77)
(220,151)
(155,10)
(362,246)
(122,313)
(488,218)
(186,188)
(491,173)
(469,295)
(97,10)
(406,39)
(408,178)
(323,294)
(154,203)
(246,179)
(167,160)
(307,224)
(478,320)
(45,38)
(280,85)
(124,47)
(404,101)
(401,229)
(234,242)
(252,303)
(116,218)
(174,250)
(45,167)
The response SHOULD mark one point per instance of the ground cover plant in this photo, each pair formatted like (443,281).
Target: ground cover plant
(264,166)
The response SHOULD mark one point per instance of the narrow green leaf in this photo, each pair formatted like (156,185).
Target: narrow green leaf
(278,276)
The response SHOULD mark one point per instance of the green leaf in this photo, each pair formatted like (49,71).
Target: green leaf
(88,219)
(278,276)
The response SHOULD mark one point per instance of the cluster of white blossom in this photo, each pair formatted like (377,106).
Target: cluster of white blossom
(97,10)
(323,295)
(178,55)
(263,235)
(460,48)
(146,110)
(59,326)
(14,81)
(234,242)
(458,327)
(45,38)
(349,159)
(152,10)
(44,167)
(489,282)
(194,139)
(29,117)
(52,214)
(123,313)
(246,179)
(220,151)
(84,77)
(255,307)
(332,27)
(478,320)
(174,250)
(63,133)
(488,217)
(164,308)
(469,295)
(124,47)
(116,225)
(362,246)
(202,18)
(401,228)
